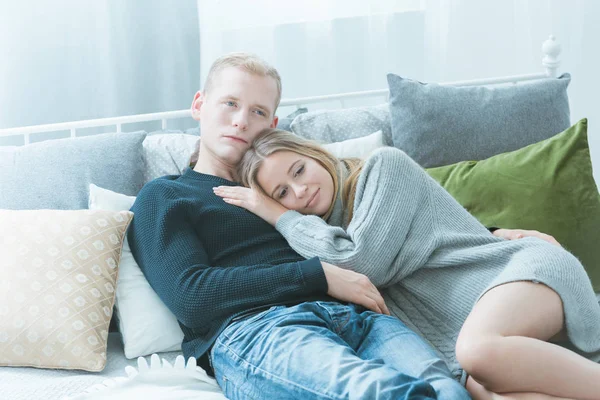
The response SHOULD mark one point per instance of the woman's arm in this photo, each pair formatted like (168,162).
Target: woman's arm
(258,204)
(388,194)
(391,190)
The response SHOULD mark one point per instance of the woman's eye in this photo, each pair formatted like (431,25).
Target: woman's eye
(282,193)
(230,103)
(299,171)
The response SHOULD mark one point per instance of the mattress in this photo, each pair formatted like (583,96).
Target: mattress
(35,383)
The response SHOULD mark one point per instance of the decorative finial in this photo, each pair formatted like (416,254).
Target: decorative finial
(551,49)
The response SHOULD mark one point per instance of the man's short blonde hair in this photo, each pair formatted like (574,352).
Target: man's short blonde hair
(248,62)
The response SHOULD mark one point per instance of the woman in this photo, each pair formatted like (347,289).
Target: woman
(492,305)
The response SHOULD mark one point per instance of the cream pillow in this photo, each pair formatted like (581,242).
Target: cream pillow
(58,272)
(359,147)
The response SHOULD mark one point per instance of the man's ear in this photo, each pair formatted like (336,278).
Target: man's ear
(274,123)
(196,105)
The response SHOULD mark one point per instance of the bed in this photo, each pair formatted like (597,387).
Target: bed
(371,122)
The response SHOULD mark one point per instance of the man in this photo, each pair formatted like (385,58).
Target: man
(271,324)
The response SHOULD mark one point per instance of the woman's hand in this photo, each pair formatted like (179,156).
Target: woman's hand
(512,234)
(346,285)
(253,201)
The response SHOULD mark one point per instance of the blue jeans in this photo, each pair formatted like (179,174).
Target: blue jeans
(326,350)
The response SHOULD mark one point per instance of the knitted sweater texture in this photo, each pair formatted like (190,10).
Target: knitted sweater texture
(432,259)
(210,262)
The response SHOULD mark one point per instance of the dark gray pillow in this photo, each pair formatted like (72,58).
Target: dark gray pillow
(440,125)
(56,174)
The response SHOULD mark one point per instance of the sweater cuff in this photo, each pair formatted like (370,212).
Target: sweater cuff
(313,274)
(287,221)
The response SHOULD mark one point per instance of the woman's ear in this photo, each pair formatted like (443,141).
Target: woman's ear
(197,105)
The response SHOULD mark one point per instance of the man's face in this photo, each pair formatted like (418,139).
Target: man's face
(237,107)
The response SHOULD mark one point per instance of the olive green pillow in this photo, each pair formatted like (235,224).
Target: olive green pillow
(547,186)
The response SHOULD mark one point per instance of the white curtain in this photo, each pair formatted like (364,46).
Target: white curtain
(69,59)
(319,47)
(473,38)
(65,60)
(333,46)
(470,38)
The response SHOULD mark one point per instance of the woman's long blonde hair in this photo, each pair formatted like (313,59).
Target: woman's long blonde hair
(271,141)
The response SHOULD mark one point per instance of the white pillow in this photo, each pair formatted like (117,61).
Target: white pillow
(358,147)
(145,322)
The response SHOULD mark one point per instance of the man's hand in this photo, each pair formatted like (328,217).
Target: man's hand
(253,201)
(512,234)
(353,287)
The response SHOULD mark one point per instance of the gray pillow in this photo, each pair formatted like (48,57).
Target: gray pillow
(56,174)
(286,122)
(440,125)
(190,131)
(331,126)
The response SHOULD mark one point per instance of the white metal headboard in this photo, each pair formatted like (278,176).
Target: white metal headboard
(550,48)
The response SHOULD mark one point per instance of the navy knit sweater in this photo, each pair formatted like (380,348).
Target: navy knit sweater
(210,261)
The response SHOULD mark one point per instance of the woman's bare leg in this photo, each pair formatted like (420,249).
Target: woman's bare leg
(502,344)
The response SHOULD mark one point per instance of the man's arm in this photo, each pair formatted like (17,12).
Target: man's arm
(177,267)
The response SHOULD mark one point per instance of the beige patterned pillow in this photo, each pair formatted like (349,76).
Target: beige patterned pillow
(58,271)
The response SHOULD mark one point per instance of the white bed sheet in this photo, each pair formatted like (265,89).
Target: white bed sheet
(36,383)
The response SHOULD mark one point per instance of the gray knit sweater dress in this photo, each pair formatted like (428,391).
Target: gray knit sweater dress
(433,260)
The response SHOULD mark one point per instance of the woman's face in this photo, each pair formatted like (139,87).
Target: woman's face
(297,182)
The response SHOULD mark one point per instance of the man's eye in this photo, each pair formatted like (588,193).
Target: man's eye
(261,113)
(282,193)
(230,103)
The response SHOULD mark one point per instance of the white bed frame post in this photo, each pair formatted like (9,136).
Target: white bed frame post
(551,49)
